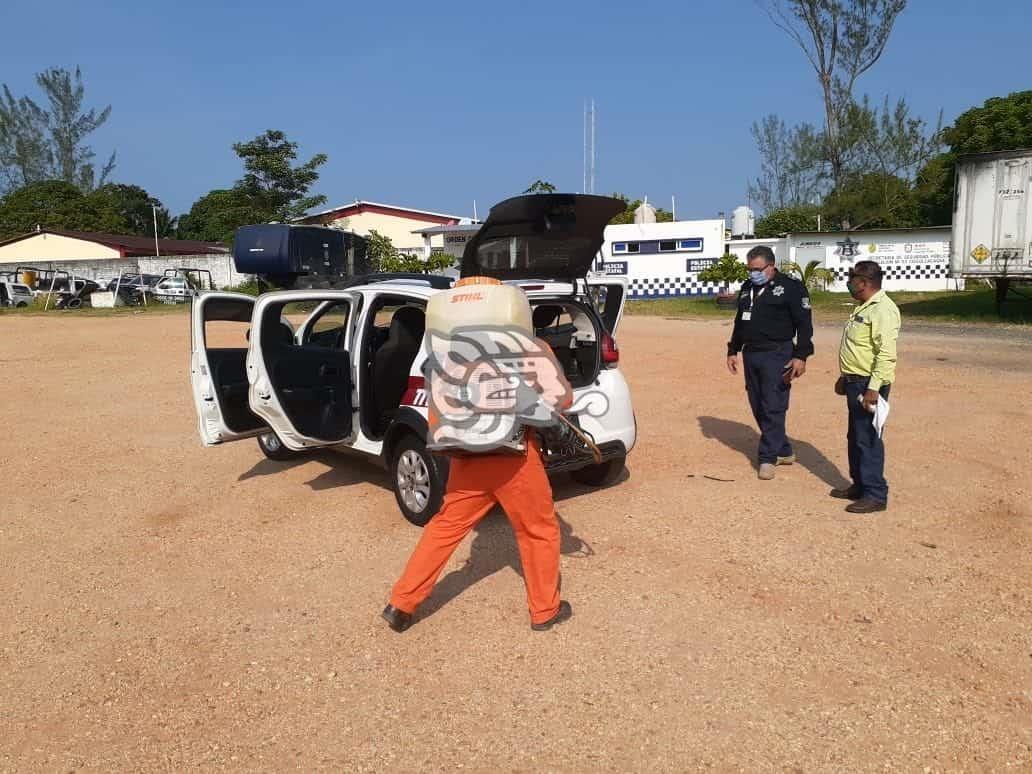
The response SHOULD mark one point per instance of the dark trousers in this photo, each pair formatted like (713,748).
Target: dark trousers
(866,449)
(768,398)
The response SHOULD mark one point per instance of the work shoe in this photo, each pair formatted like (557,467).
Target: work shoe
(865,505)
(562,614)
(398,620)
(850,493)
(766,471)
(789,460)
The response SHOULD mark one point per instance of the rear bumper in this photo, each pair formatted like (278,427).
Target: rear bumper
(564,463)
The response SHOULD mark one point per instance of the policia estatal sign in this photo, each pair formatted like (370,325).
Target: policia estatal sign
(774,331)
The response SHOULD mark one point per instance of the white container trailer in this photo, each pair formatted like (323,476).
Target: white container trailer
(992,219)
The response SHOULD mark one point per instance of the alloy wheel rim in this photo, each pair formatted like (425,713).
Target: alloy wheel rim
(413,481)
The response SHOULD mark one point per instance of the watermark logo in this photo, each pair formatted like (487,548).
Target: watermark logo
(486,384)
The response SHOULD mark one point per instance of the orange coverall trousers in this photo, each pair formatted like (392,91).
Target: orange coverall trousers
(520,485)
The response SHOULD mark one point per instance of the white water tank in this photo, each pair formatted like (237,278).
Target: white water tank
(743,222)
(645,213)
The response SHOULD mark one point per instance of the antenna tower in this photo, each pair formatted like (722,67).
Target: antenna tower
(589,147)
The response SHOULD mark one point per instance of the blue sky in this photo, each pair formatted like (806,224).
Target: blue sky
(433,105)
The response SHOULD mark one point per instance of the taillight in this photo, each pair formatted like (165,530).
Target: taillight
(610,352)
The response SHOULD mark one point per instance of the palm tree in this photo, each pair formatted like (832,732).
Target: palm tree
(812,275)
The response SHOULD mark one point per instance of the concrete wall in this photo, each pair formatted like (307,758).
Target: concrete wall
(917,259)
(223,273)
(53,247)
(741,247)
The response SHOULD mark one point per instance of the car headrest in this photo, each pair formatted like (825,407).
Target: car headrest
(546,315)
(408,320)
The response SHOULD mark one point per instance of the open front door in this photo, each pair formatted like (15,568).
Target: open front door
(610,295)
(219,325)
(302,384)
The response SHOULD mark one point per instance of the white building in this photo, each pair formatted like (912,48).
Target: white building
(400,224)
(663,259)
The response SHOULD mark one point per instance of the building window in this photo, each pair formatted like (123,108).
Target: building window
(691,245)
(667,246)
(633,247)
(619,247)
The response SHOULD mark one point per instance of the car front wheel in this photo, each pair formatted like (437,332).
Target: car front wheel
(273,448)
(600,475)
(418,479)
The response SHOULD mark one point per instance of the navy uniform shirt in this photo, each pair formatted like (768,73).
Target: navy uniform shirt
(772,314)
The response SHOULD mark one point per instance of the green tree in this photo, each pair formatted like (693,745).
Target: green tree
(787,220)
(812,275)
(56,204)
(134,204)
(841,39)
(385,257)
(540,186)
(217,215)
(725,271)
(24,151)
(874,200)
(38,143)
(627,216)
(1001,123)
(272,182)
(790,166)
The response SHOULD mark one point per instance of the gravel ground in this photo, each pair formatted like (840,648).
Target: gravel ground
(169,607)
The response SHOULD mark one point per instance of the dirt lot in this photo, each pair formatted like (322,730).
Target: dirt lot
(168,606)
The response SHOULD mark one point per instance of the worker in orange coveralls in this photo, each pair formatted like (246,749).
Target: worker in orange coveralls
(476,482)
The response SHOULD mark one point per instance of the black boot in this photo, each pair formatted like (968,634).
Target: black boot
(562,614)
(397,619)
(852,493)
(866,505)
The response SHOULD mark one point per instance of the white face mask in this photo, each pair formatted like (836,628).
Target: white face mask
(758,277)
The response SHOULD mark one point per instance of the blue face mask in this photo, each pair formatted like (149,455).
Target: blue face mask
(758,277)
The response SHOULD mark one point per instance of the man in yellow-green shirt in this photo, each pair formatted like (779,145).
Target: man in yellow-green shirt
(867,363)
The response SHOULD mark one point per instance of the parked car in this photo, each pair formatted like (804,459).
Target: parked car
(173,290)
(349,374)
(131,287)
(15,294)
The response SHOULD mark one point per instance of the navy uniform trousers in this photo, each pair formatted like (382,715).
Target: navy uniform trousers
(768,398)
(866,449)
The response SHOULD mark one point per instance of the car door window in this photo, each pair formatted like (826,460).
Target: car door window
(330,326)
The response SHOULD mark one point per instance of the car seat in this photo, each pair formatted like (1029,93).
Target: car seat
(548,315)
(393,361)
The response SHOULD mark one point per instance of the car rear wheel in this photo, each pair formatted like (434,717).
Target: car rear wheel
(273,448)
(600,475)
(418,479)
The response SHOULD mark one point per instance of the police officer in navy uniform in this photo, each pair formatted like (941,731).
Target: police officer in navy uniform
(773,309)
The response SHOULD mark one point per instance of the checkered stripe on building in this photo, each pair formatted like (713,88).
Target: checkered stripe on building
(651,287)
(907,271)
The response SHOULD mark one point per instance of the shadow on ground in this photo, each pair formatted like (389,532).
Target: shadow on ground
(494,549)
(342,469)
(744,439)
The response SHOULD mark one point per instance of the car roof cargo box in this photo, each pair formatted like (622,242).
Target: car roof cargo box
(299,256)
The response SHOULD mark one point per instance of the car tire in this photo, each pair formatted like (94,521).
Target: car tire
(603,474)
(273,448)
(418,479)
(21,305)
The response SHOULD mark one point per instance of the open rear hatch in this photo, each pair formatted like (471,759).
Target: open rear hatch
(540,236)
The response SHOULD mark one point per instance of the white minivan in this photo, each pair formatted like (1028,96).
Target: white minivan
(342,368)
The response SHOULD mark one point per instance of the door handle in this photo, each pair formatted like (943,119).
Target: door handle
(329,371)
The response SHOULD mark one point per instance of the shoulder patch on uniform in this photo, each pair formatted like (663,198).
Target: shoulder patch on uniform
(779,290)
(806,302)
